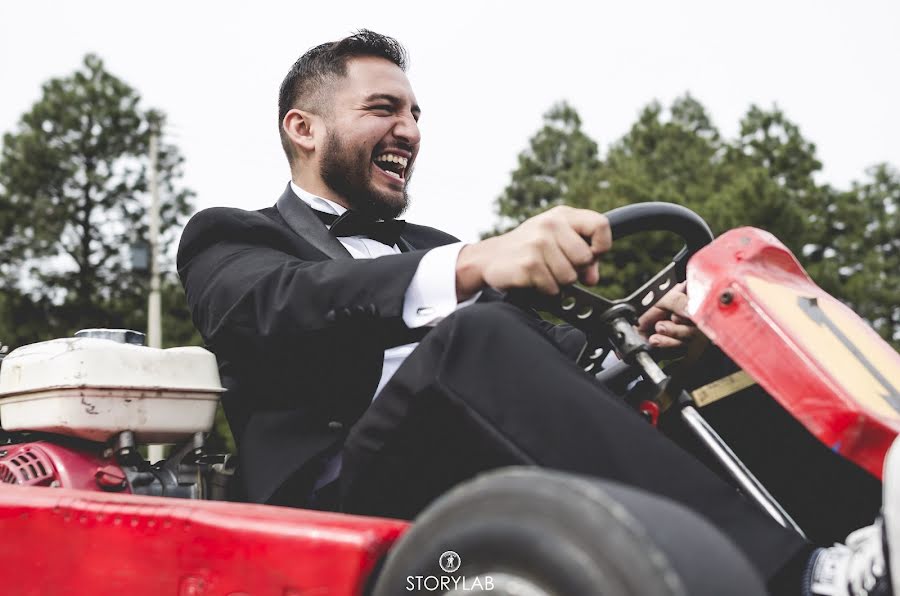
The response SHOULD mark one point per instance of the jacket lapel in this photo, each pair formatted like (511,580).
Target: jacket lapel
(403,245)
(303,221)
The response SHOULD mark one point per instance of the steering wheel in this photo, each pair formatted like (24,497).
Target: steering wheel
(609,324)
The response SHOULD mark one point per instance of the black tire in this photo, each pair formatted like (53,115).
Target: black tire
(543,533)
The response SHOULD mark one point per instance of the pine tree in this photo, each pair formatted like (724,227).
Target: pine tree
(73,183)
(849,241)
(559,167)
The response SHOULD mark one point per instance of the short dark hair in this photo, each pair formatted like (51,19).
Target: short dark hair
(311,75)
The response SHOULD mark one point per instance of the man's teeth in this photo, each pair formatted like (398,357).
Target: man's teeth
(394,174)
(394,158)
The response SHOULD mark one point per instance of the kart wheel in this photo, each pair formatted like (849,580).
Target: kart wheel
(531,532)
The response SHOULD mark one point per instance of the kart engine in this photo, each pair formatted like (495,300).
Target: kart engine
(77,413)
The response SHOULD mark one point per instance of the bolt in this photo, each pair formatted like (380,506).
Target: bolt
(727,297)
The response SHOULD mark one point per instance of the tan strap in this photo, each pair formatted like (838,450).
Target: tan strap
(721,388)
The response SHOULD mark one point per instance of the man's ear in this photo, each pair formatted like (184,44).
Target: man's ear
(301,129)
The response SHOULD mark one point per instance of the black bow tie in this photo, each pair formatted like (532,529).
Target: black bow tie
(352,223)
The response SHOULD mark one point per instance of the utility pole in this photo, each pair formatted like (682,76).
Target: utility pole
(154,316)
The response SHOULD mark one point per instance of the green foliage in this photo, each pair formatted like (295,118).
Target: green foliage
(73,200)
(559,167)
(849,241)
(772,168)
(674,159)
(863,254)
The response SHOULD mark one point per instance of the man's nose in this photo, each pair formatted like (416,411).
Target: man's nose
(407,129)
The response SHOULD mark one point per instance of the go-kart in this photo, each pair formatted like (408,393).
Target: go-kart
(807,397)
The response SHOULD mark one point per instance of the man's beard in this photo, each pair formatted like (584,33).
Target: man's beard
(348,173)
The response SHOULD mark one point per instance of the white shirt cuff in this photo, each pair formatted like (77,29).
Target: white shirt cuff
(431,294)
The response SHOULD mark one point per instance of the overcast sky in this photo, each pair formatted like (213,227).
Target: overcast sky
(484,73)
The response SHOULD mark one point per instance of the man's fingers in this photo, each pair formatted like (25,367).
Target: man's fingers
(670,329)
(648,320)
(589,275)
(664,341)
(579,254)
(542,279)
(674,301)
(593,227)
(667,323)
(558,247)
(574,247)
(679,320)
(559,265)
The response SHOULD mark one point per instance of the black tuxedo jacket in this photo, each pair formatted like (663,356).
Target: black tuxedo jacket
(299,327)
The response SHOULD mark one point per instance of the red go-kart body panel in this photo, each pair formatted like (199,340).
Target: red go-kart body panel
(811,353)
(64,541)
(747,293)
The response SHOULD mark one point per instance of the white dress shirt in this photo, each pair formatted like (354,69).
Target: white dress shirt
(430,296)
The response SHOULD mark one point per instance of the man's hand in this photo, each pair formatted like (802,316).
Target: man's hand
(553,249)
(666,324)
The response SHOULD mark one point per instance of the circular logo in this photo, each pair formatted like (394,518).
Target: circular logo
(449,561)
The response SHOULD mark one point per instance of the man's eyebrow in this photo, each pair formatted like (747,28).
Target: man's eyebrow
(393,99)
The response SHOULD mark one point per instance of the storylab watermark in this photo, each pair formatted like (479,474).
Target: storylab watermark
(449,562)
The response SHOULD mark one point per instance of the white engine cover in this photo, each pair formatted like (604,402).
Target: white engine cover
(96,388)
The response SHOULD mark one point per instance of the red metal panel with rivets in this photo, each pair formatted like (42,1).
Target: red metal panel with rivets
(63,541)
(811,353)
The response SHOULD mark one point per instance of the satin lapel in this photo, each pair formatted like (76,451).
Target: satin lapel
(403,245)
(305,224)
